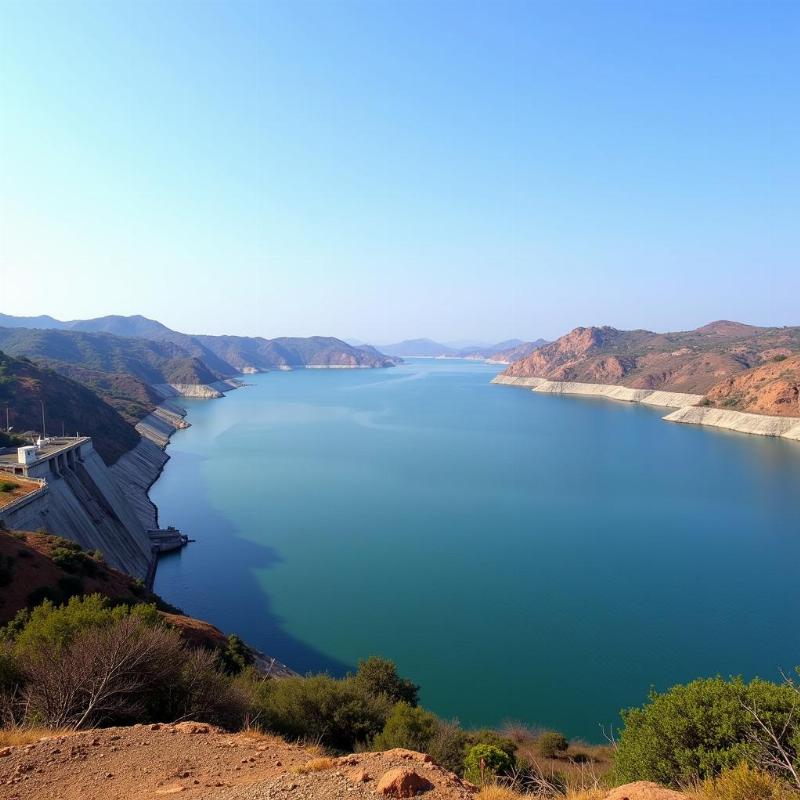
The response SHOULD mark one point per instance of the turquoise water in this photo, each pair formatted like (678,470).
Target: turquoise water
(521,556)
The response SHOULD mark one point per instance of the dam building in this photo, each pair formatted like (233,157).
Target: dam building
(75,495)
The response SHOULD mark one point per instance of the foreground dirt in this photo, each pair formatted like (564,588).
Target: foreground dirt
(194,760)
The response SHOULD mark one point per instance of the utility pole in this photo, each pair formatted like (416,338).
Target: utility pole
(44,426)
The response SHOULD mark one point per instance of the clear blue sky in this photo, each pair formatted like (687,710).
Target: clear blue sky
(388,169)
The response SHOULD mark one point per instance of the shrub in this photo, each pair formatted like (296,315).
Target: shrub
(378,676)
(48,624)
(484,762)
(337,713)
(698,729)
(7,486)
(744,783)
(89,663)
(493,738)
(552,744)
(409,727)
(235,656)
(448,746)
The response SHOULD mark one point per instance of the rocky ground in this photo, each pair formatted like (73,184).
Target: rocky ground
(194,760)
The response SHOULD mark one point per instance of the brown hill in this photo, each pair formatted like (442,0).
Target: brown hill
(684,361)
(773,388)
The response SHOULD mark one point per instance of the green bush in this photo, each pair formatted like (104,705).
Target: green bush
(551,744)
(484,762)
(409,727)
(378,677)
(508,746)
(698,729)
(7,486)
(89,663)
(336,713)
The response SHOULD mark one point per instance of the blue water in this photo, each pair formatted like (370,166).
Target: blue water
(521,556)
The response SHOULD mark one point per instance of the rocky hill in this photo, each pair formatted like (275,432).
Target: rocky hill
(689,361)
(773,388)
(24,386)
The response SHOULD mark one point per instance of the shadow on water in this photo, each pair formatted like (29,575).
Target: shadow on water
(216,577)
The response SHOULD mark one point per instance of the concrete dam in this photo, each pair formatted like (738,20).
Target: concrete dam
(72,493)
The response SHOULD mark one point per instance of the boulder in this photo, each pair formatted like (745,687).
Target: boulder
(401,782)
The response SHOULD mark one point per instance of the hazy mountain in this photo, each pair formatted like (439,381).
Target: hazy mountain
(417,347)
(431,349)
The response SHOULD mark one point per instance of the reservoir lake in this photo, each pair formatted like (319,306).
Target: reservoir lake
(521,556)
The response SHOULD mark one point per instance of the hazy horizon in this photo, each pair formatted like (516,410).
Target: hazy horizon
(385,171)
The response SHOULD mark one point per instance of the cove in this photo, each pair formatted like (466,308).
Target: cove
(530,557)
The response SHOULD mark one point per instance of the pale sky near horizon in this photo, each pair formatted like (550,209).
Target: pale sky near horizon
(387,169)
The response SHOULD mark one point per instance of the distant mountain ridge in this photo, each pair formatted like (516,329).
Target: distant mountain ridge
(221,356)
(428,348)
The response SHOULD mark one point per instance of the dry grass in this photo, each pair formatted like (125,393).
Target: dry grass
(498,793)
(315,765)
(587,794)
(16,737)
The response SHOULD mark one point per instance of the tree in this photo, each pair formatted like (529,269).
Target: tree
(378,676)
(409,727)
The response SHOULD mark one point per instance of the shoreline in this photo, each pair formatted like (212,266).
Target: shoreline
(685,405)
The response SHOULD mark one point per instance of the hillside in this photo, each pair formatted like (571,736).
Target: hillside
(245,353)
(151,361)
(688,361)
(38,566)
(24,386)
(773,388)
(222,356)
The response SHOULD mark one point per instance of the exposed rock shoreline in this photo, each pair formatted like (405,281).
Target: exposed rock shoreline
(687,411)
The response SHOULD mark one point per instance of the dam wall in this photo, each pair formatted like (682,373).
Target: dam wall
(84,502)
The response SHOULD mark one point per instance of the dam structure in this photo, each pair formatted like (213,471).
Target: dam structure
(80,498)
